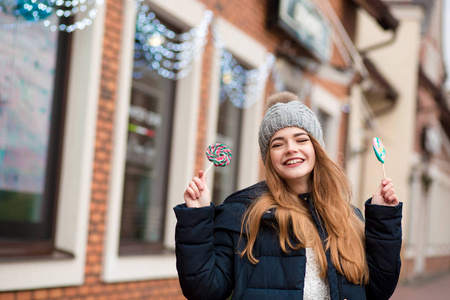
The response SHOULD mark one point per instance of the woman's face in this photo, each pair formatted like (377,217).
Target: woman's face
(293,157)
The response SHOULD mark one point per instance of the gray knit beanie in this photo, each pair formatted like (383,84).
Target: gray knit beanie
(285,110)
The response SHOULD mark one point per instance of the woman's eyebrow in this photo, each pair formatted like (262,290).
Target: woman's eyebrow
(280,138)
(299,134)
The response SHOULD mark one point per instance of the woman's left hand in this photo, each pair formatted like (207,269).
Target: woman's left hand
(385,194)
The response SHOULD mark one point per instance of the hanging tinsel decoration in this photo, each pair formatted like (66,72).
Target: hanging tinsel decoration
(233,80)
(34,10)
(171,54)
(160,49)
(243,87)
(278,81)
(66,9)
(41,10)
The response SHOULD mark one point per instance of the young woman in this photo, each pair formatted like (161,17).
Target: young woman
(295,235)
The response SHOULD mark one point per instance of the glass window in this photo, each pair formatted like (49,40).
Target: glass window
(33,68)
(229,134)
(148,149)
(233,79)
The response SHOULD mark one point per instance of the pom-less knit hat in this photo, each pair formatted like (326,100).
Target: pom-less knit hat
(285,110)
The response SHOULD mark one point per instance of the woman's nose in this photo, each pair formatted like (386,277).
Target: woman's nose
(290,148)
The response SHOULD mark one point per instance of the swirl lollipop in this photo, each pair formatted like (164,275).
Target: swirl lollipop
(219,155)
(380,153)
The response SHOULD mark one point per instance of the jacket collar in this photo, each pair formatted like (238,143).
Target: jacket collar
(305,196)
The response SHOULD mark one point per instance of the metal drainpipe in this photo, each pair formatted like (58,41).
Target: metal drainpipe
(364,51)
(381,44)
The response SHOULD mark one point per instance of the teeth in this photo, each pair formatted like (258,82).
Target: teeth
(294,161)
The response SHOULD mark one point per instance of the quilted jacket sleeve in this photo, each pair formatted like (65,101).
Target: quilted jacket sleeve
(383,244)
(204,257)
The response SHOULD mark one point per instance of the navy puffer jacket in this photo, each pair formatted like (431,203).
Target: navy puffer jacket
(209,266)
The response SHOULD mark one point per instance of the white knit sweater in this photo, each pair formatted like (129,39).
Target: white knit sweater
(315,287)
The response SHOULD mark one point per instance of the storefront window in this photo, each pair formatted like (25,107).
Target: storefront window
(33,64)
(147,158)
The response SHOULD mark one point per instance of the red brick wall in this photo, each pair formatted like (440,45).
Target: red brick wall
(155,289)
(93,287)
(250,17)
(204,105)
(433,266)
(436,265)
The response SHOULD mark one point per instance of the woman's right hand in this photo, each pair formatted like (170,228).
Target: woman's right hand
(197,194)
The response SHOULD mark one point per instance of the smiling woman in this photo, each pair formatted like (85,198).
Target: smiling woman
(295,235)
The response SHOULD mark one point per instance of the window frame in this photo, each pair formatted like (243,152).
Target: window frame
(76,167)
(235,149)
(24,248)
(140,248)
(117,268)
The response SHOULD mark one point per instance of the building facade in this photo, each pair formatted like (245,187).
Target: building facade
(413,127)
(107,107)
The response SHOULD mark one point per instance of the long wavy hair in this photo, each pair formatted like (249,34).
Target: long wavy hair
(331,193)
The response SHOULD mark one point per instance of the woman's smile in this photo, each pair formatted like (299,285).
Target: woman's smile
(294,161)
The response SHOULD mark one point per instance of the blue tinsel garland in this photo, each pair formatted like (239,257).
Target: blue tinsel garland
(30,10)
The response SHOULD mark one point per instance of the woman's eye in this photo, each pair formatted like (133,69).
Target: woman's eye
(276,145)
(302,140)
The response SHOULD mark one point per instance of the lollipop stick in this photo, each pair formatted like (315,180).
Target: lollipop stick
(384,173)
(208,168)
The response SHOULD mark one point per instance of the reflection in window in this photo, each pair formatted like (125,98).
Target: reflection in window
(32,84)
(147,162)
